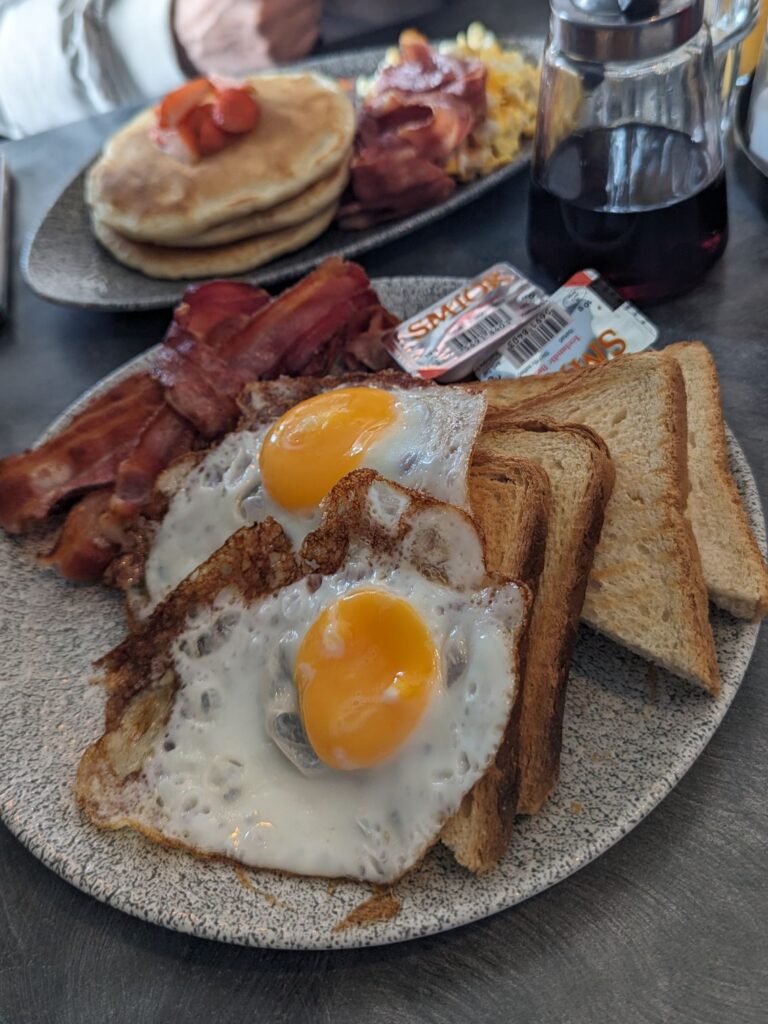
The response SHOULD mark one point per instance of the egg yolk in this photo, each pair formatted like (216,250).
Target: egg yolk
(317,442)
(364,672)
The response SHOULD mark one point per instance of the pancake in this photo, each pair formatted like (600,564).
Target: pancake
(293,211)
(235,258)
(306,129)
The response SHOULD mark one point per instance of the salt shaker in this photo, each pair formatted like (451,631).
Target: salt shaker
(627,174)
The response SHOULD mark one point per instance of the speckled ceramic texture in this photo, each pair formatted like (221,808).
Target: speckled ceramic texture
(631,732)
(63,262)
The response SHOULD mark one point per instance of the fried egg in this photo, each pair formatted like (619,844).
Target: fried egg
(331,727)
(421,438)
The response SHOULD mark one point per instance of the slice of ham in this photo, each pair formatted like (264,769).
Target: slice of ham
(419,112)
(84,455)
(83,550)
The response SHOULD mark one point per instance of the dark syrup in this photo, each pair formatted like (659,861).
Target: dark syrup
(674,220)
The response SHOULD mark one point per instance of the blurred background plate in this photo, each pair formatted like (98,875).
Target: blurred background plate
(64,263)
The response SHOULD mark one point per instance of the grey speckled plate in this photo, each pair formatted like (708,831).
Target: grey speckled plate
(631,732)
(63,262)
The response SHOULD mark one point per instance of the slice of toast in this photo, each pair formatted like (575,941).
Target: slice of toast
(646,589)
(580,476)
(734,568)
(510,503)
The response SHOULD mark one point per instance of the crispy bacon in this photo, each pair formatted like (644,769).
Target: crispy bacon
(223,335)
(193,396)
(89,452)
(283,325)
(83,551)
(83,456)
(213,311)
(282,337)
(425,72)
(392,183)
(164,438)
(364,349)
(198,382)
(418,114)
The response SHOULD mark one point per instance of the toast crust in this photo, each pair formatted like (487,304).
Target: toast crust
(734,568)
(560,596)
(510,503)
(527,764)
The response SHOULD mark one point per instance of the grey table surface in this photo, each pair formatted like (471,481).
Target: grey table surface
(671,925)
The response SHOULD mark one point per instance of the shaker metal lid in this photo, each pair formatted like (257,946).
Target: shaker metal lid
(623,30)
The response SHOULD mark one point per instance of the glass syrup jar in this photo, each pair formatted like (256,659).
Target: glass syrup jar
(627,174)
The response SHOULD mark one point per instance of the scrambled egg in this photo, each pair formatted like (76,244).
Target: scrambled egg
(512,90)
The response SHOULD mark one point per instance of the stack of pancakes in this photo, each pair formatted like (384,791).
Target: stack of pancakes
(269,193)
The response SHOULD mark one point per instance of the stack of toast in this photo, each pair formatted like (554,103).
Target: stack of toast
(607,493)
(647,462)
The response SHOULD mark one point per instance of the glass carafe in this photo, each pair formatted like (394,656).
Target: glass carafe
(627,175)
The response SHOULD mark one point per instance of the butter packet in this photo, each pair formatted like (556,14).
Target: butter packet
(448,340)
(584,323)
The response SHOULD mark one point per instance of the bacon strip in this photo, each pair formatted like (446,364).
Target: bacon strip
(418,114)
(223,335)
(365,348)
(424,72)
(281,338)
(83,552)
(390,183)
(89,452)
(213,311)
(165,437)
(84,455)
(189,393)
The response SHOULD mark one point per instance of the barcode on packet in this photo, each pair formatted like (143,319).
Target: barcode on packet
(530,339)
(498,319)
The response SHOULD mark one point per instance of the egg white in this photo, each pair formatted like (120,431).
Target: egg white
(218,782)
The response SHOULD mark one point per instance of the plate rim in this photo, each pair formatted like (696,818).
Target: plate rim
(58,861)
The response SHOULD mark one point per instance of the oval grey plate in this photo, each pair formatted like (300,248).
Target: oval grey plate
(631,732)
(63,262)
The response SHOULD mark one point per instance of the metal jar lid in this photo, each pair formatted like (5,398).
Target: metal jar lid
(623,30)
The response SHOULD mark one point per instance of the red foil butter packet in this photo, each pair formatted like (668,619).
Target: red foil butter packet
(584,323)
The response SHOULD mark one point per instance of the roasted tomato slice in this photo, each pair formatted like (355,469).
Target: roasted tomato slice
(210,137)
(178,104)
(236,111)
